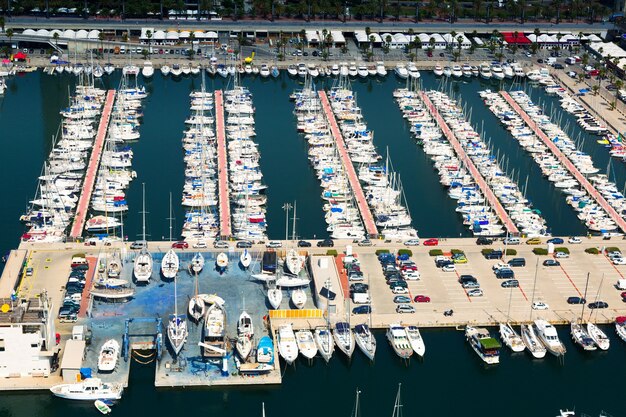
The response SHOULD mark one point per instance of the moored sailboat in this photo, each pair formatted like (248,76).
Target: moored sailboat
(365,340)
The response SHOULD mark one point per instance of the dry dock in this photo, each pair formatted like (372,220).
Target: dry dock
(591,190)
(92,168)
(366,213)
(222,165)
(480,181)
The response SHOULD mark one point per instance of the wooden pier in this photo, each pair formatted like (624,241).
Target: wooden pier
(480,181)
(591,190)
(359,195)
(92,168)
(222,166)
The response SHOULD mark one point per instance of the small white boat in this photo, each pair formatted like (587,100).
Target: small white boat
(177,332)
(287,345)
(401,71)
(109,352)
(102,407)
(581,337)
(89,389)
(211,299)
(170,264)
(397,337)
(620,327)
(415,338)
(294,261)
(175,70)
(108,68)
(196,308)
(275,297)
(245,258)
(245,332)
(197,263)
(381,71)
(438,70)
(306,343)
(292,70)
(298,298)
(165,70)
(598,336)
(148,70)
(264,71)
(531,341)
(365,340)
(221,262)
(325,343)
(510,338)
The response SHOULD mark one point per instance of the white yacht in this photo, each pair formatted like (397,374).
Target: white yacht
(401,71)
(221,262)
(264,71)
(510,338)
(170,264)
(177,331)
(302,70)
(365,340)
(598,336)
(415,338)
(214,338)
(447,71)
(518,71)
(531,341)
(109,352)
(413,71)
(130,70)
(485,346)
(142,267)
(89,389)
(344,339)
(467,70)
(508,71)
(399,341)
(306,343)
(287,345)
(148,70)
(362,71)
(438,70)
(485,71)
(325,343)
(457,72)
(352,69)
(108,68)
(497,72)
(292,70)
(380,69)
(176,71)
(334,70)
(549,337)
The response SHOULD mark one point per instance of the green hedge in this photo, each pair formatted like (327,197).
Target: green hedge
(562,249)
(612,249)
(593,251)
(331,252)
(405,252)
(435,252)
(511,252)
(486,251)
(540,251)
(381,251)
(457,251)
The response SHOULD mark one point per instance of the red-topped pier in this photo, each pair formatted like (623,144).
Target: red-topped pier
(480,181)
(359,195)
(591,190)
(222,165)
(92,167)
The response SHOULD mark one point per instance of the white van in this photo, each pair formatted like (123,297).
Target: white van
(360,298)
(621,284)
(511,241)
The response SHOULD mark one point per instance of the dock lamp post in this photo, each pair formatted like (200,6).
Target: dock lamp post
(287,207)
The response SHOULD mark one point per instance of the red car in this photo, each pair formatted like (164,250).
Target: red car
(624,295)
(431,242)
(422,299)
(180,245)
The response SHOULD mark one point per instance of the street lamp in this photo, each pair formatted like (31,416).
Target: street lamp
(287,207)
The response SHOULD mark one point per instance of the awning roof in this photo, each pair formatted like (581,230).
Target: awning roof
(520,39)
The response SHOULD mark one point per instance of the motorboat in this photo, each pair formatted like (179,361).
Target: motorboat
(485,71)
(401,71)
(438,70)
(245,332)
(275,297)
(598,336)
(510,338)
(581,337)
(549,337)
(306,343)
(265,350)
(108,68)
(170,264)
(294,261)
(221,262)
(415,339)
(165,70)
(381,71)
(264,71)
(365,340)
(101,223)
(399,341)
(485,346)
(292,70)
(457,72)
(497,72)
(287,345)
(447,71)
(107,359)
(413,71)
(102,407)
(114,266)
(89,389)
(325,343)
(531,341)
(214,341)
(620,327)
(344,339)
(275,71)
(298,298)
(148,70)
(176,71)
(130,70)
(197,263)
(245,258)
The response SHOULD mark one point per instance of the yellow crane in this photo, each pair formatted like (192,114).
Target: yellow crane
(249,59)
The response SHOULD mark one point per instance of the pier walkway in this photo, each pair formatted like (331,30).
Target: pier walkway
(591,190)
(480,181)
(222,165)
(359,195)
(92,167)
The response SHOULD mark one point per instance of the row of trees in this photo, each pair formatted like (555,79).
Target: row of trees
(481,10)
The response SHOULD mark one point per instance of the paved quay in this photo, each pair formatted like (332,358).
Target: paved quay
(92,168)
(222,165)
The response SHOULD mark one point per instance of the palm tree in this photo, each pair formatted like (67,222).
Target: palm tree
(522,6)
(149,36)
(192,37)
(2,23)
(10,34)
(55,36)
(459,44)
(100,37)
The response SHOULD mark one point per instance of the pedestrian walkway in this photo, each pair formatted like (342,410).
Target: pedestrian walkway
(92,167)
(591,190)
(222,166)
(480,181)
(359,195)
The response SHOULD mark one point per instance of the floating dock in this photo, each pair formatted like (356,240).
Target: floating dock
(92,168)
(222,165)
(480,181)
(359,195)
(591,190)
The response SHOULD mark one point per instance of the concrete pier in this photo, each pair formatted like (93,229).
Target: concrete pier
(222,165)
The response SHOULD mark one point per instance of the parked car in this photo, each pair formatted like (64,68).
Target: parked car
(459,259)
(619,261)
(274,244)
(362,310)
(574,240)
(475,293)
(561,255)
(220,244)
(244,244)
(304,244)
(470,285)
(359,287)
(448,268)
(467,278)
(422,299)
(400,299)
(137,245)
(365,242)
(576,300)
(505,273)
(180,245)
(539,305)
(201,244)
(405,308)
(551,262)
(494,254)
(556,240)
(399,290)
(412,242)
(431,242)
(598,304)
(517,262)
(326,243)
(533,241)
(411,275)
(483,240)
(510,283)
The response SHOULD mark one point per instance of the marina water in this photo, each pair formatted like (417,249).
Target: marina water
(450,381)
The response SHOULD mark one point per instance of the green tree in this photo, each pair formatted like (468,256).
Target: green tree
(55,36)
(149,36)
(2,23)
(9,34)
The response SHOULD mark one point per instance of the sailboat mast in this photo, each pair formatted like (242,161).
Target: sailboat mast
(293,232)
(170,217)
(143,211)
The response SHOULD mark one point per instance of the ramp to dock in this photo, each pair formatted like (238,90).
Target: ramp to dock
(480,181)
(591,190)
(359,195)
(222,165)
(311,313)
(11,273)
(92,167)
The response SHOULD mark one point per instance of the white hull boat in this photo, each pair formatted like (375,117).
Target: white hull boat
(197,263)
(89,389)
(287,345)
(325,343)
(399,341)
(306,343)
(531,341)
(598,336)
(275,297)
(107,360)
(549,337)
(510,338)
(415,338)
(298,298)
(581,337)
(245,259)
(170,264)
(365,340)
(344,339)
